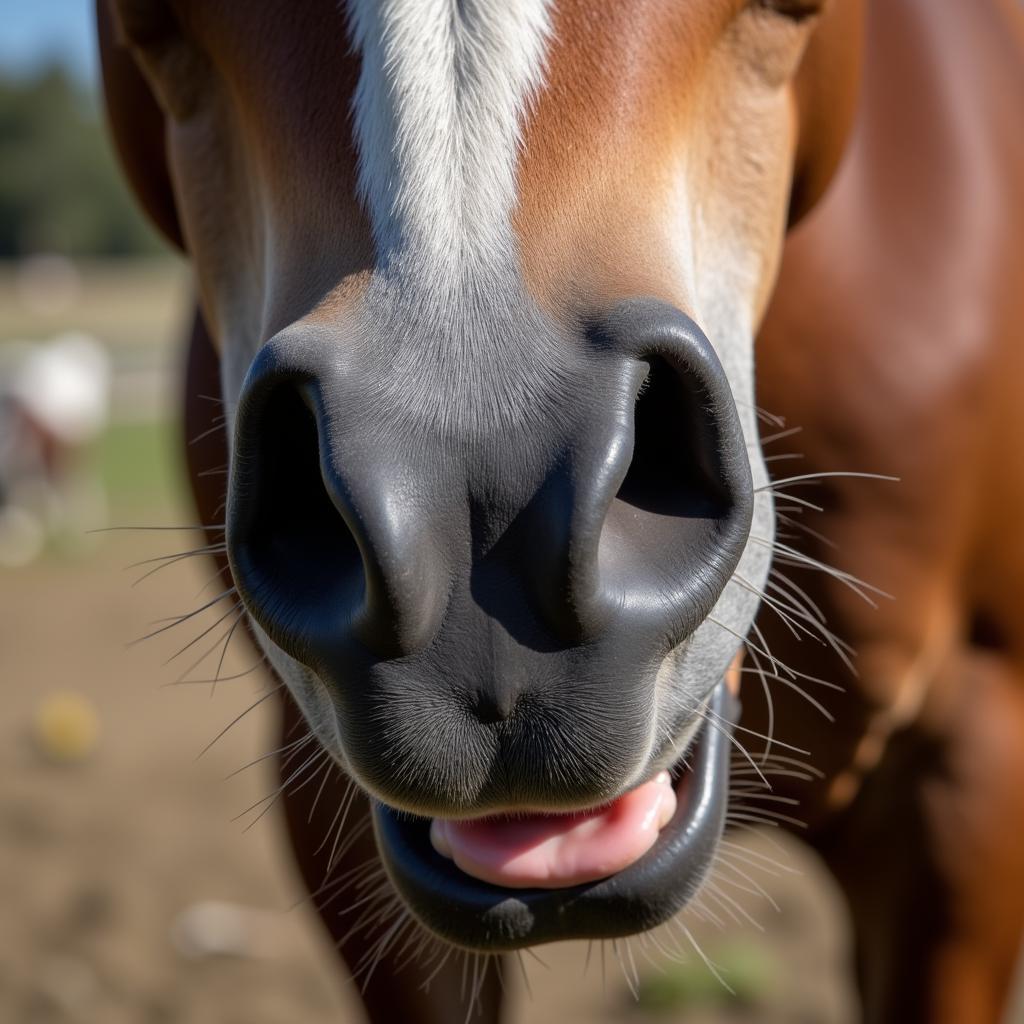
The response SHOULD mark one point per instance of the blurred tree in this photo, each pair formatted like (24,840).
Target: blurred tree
(60,189)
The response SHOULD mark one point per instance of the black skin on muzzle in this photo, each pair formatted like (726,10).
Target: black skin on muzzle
(486,609)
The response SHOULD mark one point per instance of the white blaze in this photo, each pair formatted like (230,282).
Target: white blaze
(438,116)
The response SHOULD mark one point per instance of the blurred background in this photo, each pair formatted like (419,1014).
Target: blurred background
(136,882)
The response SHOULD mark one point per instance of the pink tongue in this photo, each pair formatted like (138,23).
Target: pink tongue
(550,851)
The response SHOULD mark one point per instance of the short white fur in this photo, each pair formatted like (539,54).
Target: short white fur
(438,111)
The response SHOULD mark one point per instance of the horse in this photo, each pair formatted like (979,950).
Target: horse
(479,285)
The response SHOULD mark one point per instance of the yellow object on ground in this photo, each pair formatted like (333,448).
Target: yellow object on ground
(66,727)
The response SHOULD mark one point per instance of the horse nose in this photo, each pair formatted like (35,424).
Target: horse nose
(327,537)
(649,520)
(627,524)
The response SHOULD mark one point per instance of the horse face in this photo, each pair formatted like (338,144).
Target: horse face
(484,279)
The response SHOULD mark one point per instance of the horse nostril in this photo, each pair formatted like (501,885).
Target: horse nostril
(675,466)
(676,509)
(296,560)
(332,554)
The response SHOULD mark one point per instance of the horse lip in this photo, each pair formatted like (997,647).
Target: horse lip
(478,915)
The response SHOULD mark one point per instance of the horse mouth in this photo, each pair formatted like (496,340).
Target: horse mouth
(502,884)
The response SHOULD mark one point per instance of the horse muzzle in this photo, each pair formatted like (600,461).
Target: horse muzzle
(487,599)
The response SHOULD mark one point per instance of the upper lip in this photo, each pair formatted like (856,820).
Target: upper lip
(478,915)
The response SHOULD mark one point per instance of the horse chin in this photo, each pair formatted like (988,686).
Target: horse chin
(478,915)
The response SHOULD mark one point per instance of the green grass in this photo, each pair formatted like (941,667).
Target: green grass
(140,467)
(750,973)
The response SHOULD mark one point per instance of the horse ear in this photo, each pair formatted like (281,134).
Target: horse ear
(827,94)
(137,127)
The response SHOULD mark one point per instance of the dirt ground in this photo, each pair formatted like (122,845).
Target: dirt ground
(108,865)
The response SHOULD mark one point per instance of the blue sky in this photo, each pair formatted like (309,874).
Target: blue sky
(37,32)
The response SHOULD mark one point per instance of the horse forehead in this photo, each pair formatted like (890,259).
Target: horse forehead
(455,99)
